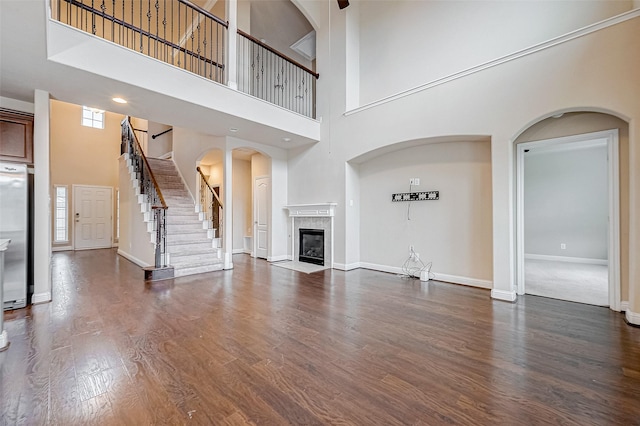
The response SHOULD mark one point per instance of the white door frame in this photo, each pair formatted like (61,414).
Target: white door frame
(73,214)
(255,216)
(613,242)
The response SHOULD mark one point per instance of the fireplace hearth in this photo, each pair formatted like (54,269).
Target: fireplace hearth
(311,246)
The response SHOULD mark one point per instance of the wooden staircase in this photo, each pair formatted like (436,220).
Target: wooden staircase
(192,248)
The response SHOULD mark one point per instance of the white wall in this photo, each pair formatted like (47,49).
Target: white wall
(188,149)
(433,39)
(135,241)
(162,144)
(565,202)
(501,101)
(259,166)
(280,24)
(242,204)
(454,232)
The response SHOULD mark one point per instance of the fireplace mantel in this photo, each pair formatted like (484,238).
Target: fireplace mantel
(312,210)
(312,216)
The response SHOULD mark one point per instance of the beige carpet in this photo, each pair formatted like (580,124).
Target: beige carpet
(575,282)
(307,268)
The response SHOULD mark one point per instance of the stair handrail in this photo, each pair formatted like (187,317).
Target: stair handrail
(214,204)
(204,179)
(148,186)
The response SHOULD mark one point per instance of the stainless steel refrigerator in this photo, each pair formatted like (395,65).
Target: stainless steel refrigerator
(14,211)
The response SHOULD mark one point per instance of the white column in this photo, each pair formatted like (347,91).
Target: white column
(278,217)
(352,218)
(633,311)
(4,340)
(227,232)
(42,200)
(503,229)
(232,44)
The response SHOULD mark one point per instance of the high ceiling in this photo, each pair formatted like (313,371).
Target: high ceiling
(24,67)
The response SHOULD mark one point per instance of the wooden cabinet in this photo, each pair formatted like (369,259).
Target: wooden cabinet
(16,137)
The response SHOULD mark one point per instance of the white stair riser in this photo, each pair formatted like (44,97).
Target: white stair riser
(191,243)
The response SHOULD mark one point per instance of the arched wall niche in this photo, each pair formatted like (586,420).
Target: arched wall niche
(454,232)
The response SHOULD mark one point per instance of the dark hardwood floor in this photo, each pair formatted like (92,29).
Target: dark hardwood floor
(268,345)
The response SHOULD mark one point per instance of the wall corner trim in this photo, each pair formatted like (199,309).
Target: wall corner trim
(133,259)
(508,296)
(41,298)
(346,266)
(278,258)
(632,318)
(471,282)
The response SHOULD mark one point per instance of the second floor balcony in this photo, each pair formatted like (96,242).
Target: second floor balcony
(191,36)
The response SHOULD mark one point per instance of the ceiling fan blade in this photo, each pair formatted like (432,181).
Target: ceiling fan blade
(343,3)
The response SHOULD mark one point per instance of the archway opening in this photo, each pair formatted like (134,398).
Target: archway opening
(571,203)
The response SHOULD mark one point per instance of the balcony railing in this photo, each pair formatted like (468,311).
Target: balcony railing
(174,31)
(267,74)
(182,34)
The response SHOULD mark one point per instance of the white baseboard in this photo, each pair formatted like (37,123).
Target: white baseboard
(166,156)
(133,259)
(347,267)
(455,279)
(632,317)
(114,245)
(4,340)
(509,296)
(241,251)
(472,282)
(566,259)
(61,248)
(624,305)
(381,268)
(41,298)
(278,258)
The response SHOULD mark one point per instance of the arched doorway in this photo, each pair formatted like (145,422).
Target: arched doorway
(568,212)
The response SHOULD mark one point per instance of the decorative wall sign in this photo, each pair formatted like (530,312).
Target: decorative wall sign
(416,196)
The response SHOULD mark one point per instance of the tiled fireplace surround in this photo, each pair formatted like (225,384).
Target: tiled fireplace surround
(312,216)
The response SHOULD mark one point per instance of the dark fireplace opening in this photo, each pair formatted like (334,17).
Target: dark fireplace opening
(311,246)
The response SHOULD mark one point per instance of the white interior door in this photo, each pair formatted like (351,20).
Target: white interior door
(261,214)
(92,216)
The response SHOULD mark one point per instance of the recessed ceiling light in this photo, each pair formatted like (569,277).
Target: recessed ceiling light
(286,139)
(233,129)
(119,100)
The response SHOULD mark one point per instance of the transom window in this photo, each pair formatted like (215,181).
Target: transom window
(92,117)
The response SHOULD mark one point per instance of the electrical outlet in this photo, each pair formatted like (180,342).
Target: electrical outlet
(563,246)
(414,181)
